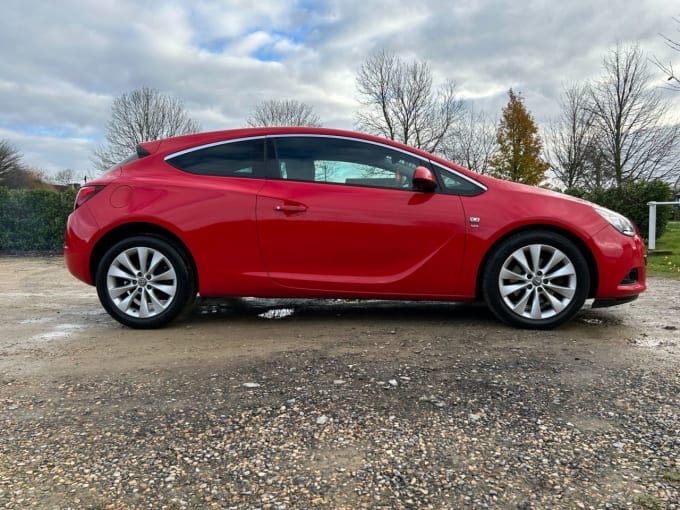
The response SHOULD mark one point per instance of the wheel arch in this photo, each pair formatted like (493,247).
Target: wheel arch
(578,242)
(140,228)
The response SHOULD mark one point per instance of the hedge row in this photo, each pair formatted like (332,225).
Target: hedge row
(631,198)
(34,219)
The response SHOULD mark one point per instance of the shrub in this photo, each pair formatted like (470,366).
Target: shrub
(630,199)
(34,219)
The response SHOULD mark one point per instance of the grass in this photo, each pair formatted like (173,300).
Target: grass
(672,477)
(651,502)
(669,264)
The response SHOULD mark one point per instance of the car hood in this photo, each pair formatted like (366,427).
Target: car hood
(515,187)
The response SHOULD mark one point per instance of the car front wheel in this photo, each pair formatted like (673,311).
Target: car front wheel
(143,282)
(536,280)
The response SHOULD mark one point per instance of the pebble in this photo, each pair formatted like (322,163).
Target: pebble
(488,431)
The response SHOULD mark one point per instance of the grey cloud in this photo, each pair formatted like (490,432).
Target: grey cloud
(63,62)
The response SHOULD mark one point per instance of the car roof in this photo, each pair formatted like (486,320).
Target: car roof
(187,141)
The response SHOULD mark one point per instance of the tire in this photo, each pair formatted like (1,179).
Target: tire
(536,280)
(144,282)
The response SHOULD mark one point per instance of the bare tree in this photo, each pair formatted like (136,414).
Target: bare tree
(10,159)
(138,116)
(65,177)
(629,117)
(472,142)
(668,68)
(399,102)
(571,141)
(286,112)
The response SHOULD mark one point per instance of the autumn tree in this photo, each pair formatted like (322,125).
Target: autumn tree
(139,116)
(26,178)
(472,142)
(519,145)
(286,112)
(399,102)
(630,117)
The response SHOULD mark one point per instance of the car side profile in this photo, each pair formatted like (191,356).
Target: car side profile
(322,213)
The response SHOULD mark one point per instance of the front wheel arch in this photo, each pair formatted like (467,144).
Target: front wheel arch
(536,279)
(578,242)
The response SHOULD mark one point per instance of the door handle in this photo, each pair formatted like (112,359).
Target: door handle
(291,208)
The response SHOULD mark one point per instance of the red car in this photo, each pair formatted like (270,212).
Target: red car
(320,213)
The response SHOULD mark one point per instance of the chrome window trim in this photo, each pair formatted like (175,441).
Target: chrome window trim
(314,135)
(213,144)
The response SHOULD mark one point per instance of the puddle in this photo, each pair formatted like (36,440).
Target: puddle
(59,331)
(40,320)
(645,340)
(277,313)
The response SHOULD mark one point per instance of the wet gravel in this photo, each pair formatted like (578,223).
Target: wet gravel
(414,426)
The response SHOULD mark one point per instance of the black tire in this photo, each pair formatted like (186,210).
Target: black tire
(536,280)
(144,282)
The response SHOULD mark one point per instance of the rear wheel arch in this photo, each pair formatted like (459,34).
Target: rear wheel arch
(140,229)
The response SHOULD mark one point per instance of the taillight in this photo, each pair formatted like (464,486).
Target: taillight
(86,193)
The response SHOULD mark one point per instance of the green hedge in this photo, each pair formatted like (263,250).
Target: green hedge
(34,219)
(630,199)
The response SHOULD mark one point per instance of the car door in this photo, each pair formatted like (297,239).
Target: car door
(341,216)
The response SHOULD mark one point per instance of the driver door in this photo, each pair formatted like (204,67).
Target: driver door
(341,216)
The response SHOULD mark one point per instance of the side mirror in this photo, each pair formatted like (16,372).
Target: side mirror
(424,180)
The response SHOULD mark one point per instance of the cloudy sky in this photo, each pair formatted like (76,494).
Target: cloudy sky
(63,62)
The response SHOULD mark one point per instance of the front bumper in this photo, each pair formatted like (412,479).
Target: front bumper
(621,267)
(605,303)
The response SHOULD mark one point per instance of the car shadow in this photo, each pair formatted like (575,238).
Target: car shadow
(216,309)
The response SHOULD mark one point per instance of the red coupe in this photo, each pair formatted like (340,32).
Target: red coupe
(320,213)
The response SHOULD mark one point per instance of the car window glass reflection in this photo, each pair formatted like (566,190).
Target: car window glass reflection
(334,160)
(238,159)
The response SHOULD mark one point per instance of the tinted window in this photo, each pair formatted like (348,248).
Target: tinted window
(454,184)
(336,160)
(235,159)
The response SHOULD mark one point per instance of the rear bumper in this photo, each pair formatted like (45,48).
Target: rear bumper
(80,230)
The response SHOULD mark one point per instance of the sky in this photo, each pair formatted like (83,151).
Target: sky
(62,63)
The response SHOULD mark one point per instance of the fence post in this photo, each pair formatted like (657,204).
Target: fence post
(652,225)
(652,221)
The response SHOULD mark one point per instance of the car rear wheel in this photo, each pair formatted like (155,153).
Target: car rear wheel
(536,280)
(144,282)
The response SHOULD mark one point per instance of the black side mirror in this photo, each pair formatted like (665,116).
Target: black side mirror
(424,180)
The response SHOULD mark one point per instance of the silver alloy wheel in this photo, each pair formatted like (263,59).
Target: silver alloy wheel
(537,281)
(141,282)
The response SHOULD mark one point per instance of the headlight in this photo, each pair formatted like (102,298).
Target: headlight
(618,221)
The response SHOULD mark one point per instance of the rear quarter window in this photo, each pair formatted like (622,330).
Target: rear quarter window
(229,159)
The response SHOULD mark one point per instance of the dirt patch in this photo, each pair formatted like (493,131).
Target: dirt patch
(332,404)
(52,320)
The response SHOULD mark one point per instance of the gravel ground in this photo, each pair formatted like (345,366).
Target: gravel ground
(381,407)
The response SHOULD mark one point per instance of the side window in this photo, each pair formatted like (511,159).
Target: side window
(454,184)
(341,161)
(230,159)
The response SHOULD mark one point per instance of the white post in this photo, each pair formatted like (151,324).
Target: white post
(652,221)
(652,226)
